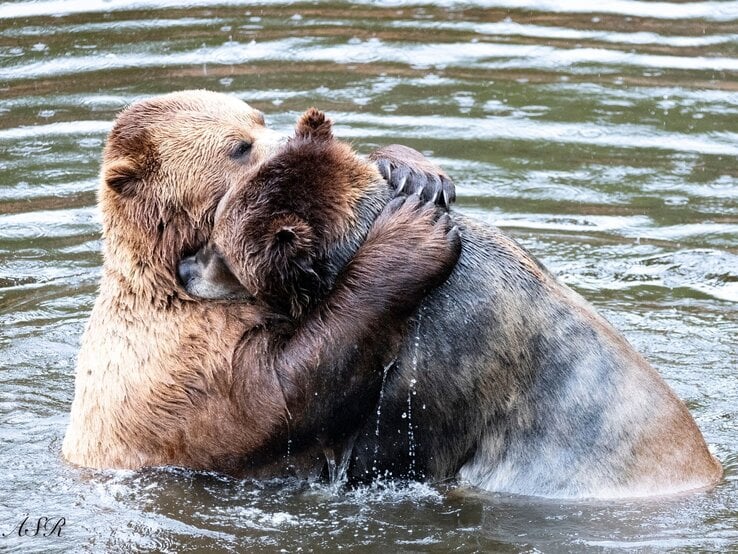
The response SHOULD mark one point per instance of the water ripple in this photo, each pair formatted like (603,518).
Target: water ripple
(510,128)
(56,129)
(485,55)
(510,28)
(711,11)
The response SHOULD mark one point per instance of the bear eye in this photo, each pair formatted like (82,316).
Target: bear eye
(241,149)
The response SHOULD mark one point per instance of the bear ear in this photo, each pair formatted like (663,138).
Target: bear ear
(315,125)
(290,235)
(123,176)
(291,238)
(130,154)
(285,235)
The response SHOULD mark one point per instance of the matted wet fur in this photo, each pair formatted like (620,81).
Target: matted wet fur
(505,377)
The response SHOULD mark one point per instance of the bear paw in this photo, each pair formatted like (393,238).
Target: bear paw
(409,172)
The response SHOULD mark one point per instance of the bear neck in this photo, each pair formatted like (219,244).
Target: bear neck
(376,194)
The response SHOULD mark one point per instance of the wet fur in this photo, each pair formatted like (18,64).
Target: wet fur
(154,370)
(515,384)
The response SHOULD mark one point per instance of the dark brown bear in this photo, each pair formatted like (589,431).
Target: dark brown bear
(505,377)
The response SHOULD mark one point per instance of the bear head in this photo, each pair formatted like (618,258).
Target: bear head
(282,236)
(167,162)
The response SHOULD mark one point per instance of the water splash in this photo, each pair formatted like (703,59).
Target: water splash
(379,413)
(330,458)
(411,445)
(338,468)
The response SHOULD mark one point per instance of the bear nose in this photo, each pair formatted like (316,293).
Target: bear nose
(186,269)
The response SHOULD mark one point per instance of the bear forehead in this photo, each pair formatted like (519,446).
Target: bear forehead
(310,171)
(193,128)
(180,111)
(175,123)
(205,101)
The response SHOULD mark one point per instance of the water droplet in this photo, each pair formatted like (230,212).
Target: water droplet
(379,412)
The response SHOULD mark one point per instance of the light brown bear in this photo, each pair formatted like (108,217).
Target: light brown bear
(505,378)
(165,380)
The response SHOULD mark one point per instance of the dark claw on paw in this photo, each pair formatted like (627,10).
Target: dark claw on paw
(403,186)
(413,174)
(384,169)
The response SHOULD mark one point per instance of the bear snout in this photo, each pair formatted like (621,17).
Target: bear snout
(186,270)
(206,275)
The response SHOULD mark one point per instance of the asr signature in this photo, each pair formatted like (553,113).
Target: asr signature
(37,527)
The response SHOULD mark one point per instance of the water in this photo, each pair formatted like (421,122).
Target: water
(605,142)
(411,445)
(379,411)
